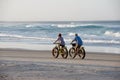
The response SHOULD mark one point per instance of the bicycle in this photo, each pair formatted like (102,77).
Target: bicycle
(59,50)
(73,52)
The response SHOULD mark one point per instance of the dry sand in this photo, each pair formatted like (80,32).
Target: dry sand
(18,64)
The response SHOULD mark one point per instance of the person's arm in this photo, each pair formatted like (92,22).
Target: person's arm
(73,40)
(56,40)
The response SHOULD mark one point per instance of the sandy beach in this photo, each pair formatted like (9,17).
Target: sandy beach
(16,64)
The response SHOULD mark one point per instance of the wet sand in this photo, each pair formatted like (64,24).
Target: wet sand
(16,64)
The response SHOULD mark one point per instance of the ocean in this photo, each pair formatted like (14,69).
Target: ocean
(103,34)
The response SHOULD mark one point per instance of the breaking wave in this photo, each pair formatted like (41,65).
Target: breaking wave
(78,25)
(23,37)
(110,33)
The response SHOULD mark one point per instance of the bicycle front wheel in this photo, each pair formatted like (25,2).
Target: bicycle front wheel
(72,53)
(55,52)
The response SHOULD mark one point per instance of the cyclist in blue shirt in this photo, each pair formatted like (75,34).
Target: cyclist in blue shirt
(78,40)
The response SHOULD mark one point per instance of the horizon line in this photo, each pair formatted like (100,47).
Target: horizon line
(66,21)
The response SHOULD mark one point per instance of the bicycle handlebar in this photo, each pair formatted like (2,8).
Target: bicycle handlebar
(72,43)
(56,43)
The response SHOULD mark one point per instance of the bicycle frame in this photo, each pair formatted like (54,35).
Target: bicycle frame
(60,50)
(58,46)
(80,51)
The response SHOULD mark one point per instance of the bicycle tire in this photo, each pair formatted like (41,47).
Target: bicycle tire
(72,53)
(65,53)
(82,52)
(55,52)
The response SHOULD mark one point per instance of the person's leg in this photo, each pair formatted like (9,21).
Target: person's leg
(61,48)
(76,47)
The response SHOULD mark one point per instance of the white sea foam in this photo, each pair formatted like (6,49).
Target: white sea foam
(32,25)
(85,35)
(24,37)
(102,41)
(65,25)
(71,34)
(29,26)
(10,35)
(76,25)
(110,33)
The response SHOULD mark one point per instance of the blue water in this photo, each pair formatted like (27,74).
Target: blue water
(104,33)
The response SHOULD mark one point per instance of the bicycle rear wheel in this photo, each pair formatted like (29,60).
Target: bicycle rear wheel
(65,53)
(82,53)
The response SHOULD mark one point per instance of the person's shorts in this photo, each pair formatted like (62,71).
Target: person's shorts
(78,46)
(62,45)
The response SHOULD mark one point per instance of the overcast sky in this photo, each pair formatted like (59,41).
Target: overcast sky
(59,10)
